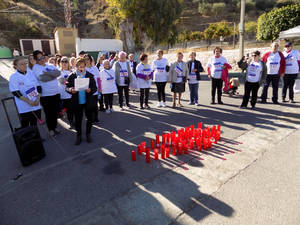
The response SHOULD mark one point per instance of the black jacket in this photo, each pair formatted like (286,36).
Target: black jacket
(134,67)
(90,100)
(197,66)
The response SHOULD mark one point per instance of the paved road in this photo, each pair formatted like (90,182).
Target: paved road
(98,184)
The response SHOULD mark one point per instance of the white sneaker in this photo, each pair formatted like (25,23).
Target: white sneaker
(164,105)
(159,104)
(190,103)
(112,110)
(107,111)
(121,109)
(197,104)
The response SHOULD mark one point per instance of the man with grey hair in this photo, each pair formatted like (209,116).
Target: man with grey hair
(123,78)
(275,63)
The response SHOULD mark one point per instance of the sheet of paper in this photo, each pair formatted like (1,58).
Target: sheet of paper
(81,84)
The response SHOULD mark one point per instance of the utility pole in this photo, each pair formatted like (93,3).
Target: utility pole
(242,27)
(67,9)
(234,28)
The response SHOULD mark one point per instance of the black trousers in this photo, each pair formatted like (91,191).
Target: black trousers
(101,102)
(161,91)
(66,103)
(250,88)
(30,118)
(79,116)
(108,99)
(288,83)
(51,106)
(144,96)
(95,108)
(275,82)
(216,85)
(124,89)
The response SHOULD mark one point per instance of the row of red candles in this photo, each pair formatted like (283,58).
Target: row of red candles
(181,141)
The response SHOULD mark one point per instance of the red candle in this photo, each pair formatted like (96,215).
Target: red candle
(219,127)
(156,154)
(186,149)
(180,149)
(139,149)
(152,144)
(200,125)
(174,150)
(157,140)
(167,152)
(168,138)
(148,155)
(191,144)
(209,143)
(162,152)
(133,155)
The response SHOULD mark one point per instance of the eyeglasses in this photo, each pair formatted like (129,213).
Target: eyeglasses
(254,55)
(64,61)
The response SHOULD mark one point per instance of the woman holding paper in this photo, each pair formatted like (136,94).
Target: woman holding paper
(178,76)
(82,86)
(97,95)
(144,76)
(108,85)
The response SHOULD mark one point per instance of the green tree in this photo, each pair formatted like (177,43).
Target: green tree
(216,30)
(218,8)
(251,27)
(155,18)
(270,24)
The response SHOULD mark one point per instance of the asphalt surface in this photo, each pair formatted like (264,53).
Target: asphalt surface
(98,184)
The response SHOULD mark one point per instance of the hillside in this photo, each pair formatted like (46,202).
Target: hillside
(38,18)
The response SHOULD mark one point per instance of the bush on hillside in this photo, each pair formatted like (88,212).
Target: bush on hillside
(270,24)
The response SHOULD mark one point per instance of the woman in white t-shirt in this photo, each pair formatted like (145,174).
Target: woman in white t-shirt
(160,68)
(255,74)
(108,85)
(25,93)
(64,95)
(97,95)
(144,75)
(50,97)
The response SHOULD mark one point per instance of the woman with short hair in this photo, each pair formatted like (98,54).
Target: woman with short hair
(83,100)
(144,76)
(64,95)
(178,76)
(255,74)
(26,94)
(47,74)
(160,68)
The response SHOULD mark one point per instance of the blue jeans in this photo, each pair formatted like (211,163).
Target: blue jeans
(194,93)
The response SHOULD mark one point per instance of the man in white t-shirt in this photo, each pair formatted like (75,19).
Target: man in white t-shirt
(292,70)
(275,63)
(215,66)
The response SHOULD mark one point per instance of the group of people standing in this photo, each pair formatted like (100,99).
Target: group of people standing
(50,82)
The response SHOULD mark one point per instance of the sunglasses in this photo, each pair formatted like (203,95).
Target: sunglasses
(254,55)
(41,58)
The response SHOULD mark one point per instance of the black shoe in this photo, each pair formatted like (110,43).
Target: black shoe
(253,107)
(78,140)
(263,101)
(243,107)
(88,138)
(147,106)
(212,102)
(283,100)
(276,102)
(141,107)
(292,101)
(102,109)
(220,102)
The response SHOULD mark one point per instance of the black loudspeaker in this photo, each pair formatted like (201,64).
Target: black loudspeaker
(28,141)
